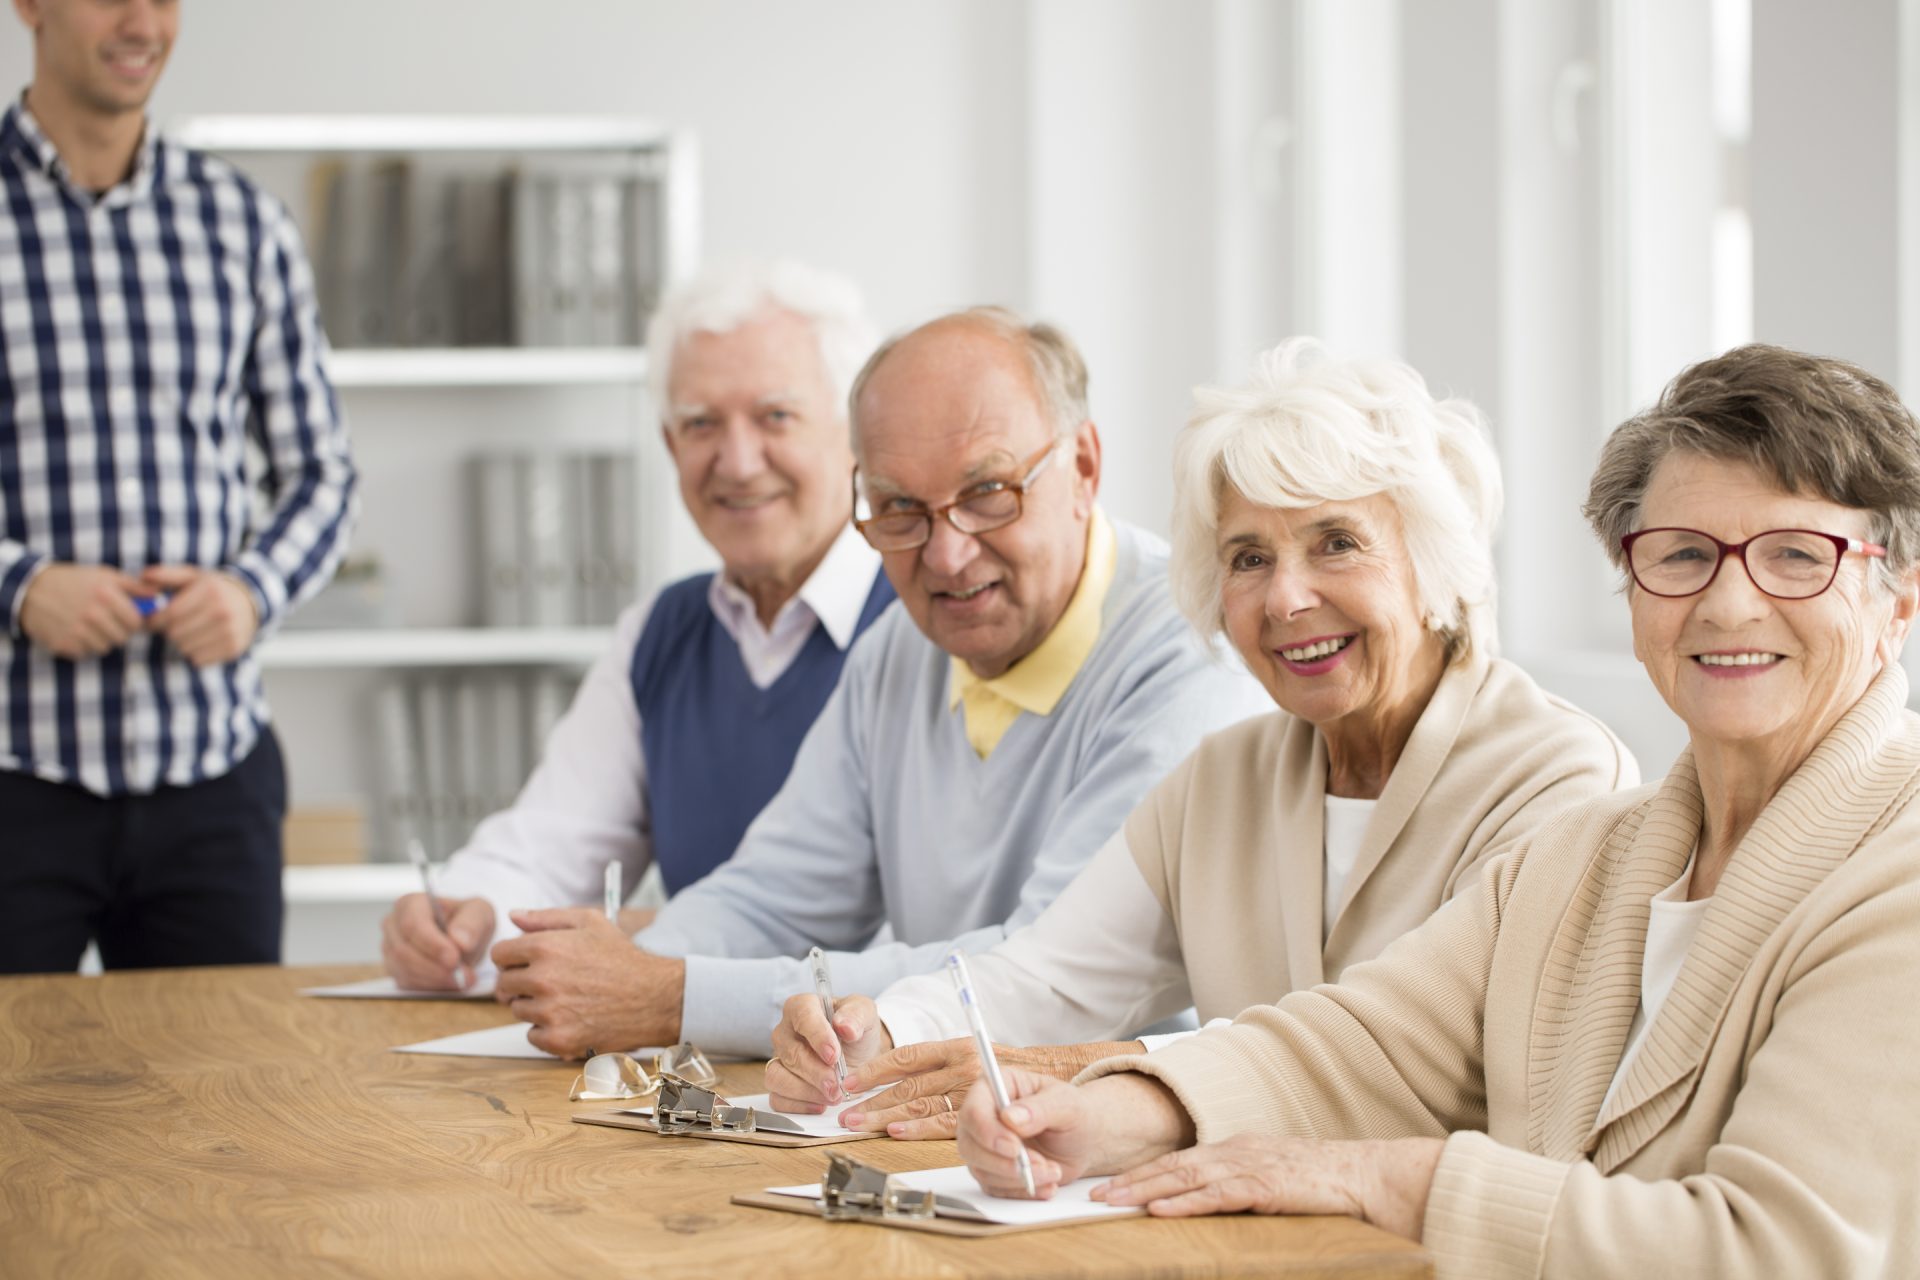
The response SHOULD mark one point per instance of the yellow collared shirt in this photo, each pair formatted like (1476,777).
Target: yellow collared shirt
(1038,681)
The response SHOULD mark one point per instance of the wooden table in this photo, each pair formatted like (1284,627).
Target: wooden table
(212,1122)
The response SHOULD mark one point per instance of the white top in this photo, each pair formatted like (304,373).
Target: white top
(586,803)
(1671,927)
(1345,827)
(1104,955)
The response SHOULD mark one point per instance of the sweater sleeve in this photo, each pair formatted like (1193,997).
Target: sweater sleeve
(1394,1050)
(1102,961)
(1813,1173)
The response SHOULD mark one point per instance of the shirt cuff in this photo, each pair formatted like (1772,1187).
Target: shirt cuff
(1489,1209)
(725,1006)
(264,584)
(906,1023)
(18,568)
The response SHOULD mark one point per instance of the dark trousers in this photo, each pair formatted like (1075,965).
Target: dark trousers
(184,876)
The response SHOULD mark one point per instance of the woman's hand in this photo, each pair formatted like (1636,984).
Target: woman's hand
(1068,1130)
(800,1075)
(935,1075)
(1385,1183)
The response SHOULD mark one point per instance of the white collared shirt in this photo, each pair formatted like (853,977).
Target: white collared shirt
(586,802)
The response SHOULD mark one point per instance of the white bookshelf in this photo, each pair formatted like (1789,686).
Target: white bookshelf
(574,647)
(489,367)
(417,415)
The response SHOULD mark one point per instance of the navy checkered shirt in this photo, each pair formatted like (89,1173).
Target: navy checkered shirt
(150,339)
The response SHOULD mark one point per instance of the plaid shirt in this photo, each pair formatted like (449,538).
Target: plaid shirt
(148,339)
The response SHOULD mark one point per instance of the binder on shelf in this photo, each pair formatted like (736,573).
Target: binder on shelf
(546,587)
(424,303)
(482,279)
(946,1201)
(534,324)
(502,571)
(396,781)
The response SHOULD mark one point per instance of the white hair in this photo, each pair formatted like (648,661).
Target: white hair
(1309,428)
(721,299)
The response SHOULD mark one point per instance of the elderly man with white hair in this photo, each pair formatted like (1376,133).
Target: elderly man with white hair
(688,724)
(986,737)
(1335,520)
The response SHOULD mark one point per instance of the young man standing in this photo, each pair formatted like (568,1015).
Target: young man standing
(157,315)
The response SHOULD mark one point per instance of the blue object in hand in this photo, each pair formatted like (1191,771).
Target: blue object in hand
(147,606)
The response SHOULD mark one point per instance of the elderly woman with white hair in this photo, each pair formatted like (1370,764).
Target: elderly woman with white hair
(1673,1031)
(1334,520)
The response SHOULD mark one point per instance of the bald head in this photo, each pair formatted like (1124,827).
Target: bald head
(970,343)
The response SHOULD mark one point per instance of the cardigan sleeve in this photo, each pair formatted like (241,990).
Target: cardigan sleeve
(1394,1050)
(1813,1173)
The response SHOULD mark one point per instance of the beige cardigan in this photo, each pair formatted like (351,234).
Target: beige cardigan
(1770,1124)
(1231,842)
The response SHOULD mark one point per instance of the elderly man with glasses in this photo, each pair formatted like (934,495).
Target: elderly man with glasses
(985,739)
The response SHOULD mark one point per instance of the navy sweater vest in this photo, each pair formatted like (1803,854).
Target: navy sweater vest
(716,747)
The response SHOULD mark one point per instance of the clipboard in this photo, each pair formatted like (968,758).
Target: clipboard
(855,1192)
(687,1110)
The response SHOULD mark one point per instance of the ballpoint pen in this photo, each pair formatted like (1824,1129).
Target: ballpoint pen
(823,987)
(611,893)
(417,854)
(989,1065)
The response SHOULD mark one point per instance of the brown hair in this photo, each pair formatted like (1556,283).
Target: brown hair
(1819,426)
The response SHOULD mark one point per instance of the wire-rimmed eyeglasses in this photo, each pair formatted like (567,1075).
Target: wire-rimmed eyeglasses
(983,508)
(1787,564)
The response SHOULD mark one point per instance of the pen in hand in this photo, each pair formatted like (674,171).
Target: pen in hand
(989,1065)
(417,854)
(823,987)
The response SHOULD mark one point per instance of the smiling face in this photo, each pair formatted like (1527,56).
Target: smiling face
(102,57)
(951,407)
(1321,603)
(760,446)
(1744,669)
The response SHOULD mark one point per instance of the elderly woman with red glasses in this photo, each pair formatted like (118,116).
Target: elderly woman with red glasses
(1674,1031)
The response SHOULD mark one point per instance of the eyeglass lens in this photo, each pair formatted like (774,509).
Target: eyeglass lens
(981,514)
(1786,562)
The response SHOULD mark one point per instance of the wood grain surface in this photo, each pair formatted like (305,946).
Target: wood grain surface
(212,1122)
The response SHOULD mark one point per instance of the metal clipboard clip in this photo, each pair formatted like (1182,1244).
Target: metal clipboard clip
(685,1107)
(855,1192)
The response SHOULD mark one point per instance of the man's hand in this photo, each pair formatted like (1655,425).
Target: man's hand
(81,610)
(800,1075)
(584,986)
(935,1075)
(634,919)
(420,957)
(210,617)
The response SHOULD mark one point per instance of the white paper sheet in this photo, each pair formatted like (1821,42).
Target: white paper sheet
(820,1126)
(509,1041)
(1069,1202)
(388,989)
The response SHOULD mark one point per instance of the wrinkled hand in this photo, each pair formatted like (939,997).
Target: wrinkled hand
(1384,1183)
(934,1078)
(210,617)
(420,957)
(584,986)
(800,1075)
(1069,1130)
(81,610)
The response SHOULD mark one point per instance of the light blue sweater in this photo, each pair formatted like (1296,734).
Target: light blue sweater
(892,842)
